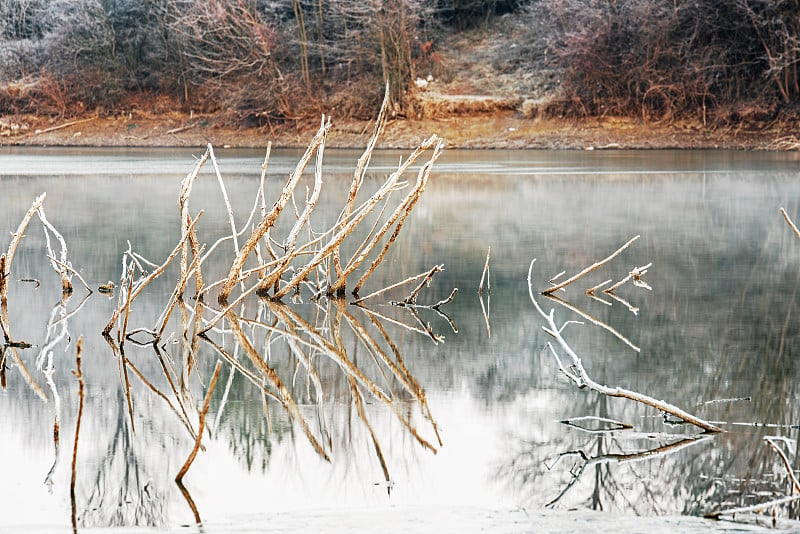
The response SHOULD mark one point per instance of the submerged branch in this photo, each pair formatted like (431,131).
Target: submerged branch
(582,379)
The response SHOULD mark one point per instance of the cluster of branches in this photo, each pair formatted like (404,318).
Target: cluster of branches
(258,60)
(661,59)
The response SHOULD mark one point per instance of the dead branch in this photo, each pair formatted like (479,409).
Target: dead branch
(70,269)
(581,378)
(486,310)
(755,508)
(142,283)
(411,299)
(359,215)
(622,458)
(63,267)
(635,275)
(64,125)
(589,269)
(201,426)
(358,174)
(269,220)
(17,236)
(79,375)
(485,275)
(772,441)
(181,128)
(789,221)
(397,218)
(594,321)
(291,241)
(388,288)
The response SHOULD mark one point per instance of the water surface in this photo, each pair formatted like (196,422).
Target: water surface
(717,334)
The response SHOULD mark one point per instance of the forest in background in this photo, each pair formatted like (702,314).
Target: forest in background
(255,61)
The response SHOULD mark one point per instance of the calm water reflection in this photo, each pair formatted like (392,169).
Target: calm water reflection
(721,322)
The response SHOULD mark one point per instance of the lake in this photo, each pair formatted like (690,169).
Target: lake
(331,416)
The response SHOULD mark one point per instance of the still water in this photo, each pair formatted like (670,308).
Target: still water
(716,331)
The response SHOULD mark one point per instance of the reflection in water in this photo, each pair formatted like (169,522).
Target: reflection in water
(374,386)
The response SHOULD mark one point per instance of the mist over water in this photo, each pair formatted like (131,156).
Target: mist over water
(719,324)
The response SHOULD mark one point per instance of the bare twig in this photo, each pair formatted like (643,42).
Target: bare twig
(65,267)
(485,275)
(582,378)
(772,441)
(589,269)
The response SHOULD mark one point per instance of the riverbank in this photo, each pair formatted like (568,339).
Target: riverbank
(497,129)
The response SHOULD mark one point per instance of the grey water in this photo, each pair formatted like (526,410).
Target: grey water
(714,330)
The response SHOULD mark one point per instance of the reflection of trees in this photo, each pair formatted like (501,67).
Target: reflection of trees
(329,357)
(122,492)
(599,465)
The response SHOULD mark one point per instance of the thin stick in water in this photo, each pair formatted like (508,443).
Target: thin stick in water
(590,268)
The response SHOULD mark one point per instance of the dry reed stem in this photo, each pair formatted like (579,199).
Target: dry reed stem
(262,201)
(268,221)
(403,212)
(485,275)
(285,396)
(581,377)
(201,426)
(789,221)
(589,269)
(347,229)
(183,208)
(399,216)
(358,174)
(79,375)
